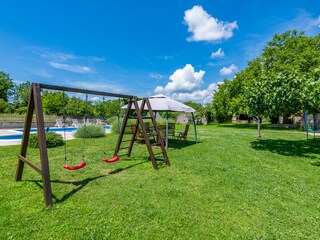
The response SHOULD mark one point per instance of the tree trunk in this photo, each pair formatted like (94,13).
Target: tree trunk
(259,121)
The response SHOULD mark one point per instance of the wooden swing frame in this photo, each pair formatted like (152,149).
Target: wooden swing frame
(35,104)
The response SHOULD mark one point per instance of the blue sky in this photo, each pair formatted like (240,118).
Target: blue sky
(177,48)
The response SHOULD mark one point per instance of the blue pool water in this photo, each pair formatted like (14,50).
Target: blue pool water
(33,130)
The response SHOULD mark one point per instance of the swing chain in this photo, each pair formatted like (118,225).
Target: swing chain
(85,127)
(64,126)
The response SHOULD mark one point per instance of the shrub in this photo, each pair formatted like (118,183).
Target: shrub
(90,131)
(52,139)
(21,110)
(115,125)
(3,105)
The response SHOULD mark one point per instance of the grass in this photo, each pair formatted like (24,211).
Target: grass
(229,186)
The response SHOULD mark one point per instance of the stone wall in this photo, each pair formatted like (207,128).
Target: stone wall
(12,125)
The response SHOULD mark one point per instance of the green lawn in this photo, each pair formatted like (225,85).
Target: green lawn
(229,186)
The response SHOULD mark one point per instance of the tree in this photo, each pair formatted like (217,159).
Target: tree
(256,92)
(200,110)
(54,102)
(285,78)
(79,108)
(21,94)
(289,63)
(6,86)
(221,102)
(107,109)
(3,105)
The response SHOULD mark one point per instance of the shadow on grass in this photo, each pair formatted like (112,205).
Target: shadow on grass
(182,144)
(79,184)
(119,170)
(254,126)
(294,148)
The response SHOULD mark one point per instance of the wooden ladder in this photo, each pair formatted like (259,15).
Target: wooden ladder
(133,105)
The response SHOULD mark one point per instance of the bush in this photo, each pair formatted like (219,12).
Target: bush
(3,105)
(115,125)
(21,110)
(90,131)
(52,139)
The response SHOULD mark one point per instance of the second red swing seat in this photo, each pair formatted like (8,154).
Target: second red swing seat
(76,167)
(114,159)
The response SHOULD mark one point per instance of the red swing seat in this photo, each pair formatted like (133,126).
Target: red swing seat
(114,159)
(76,167)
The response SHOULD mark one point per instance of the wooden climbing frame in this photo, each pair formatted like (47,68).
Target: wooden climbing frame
(35,105)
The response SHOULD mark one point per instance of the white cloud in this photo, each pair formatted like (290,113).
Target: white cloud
(53,55)
(159,89)
(156,76)
(204,27)
(228,70)
(218,54)
(95,99)
(303,22)
(185,79)
(70,68)
(100,85)
(43,73)
(199,96)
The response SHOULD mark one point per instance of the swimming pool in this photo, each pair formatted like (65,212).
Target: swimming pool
(19,132)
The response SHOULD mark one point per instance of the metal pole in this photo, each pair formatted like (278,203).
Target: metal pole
(167,129)
(195,128)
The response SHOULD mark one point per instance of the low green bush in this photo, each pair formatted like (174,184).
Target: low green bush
(115,125)
(90,131)
(52,139)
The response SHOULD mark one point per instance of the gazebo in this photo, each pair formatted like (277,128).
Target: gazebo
(161,103)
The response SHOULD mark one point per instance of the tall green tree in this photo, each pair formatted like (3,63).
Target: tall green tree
(107,108)
(221,102)
(290,64)
(284,79)
(256,91)
(21,94)
(6,86)
(3,105)
(54,102)
(77,107)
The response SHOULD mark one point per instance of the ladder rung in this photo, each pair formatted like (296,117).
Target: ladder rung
(121,155)
(124,148)
(132,117)
(146,117)
(158,153)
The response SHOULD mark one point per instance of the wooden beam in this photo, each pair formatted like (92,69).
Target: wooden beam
(78,90)
(31,164)
(144,132)
(42,146)
(25,137)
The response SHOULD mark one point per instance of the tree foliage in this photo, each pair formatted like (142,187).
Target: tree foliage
(21,94)
(54,102)
(6,86)
(282,81)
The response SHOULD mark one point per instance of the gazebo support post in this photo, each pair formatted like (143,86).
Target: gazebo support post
(195,128)
(167,129)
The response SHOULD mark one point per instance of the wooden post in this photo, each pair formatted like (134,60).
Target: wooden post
(42,146)
(144,131)
(36,104)
(25,137)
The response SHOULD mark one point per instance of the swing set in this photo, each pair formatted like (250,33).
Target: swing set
(35,104)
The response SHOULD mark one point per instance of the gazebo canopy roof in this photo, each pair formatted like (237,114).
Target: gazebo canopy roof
(161,103)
